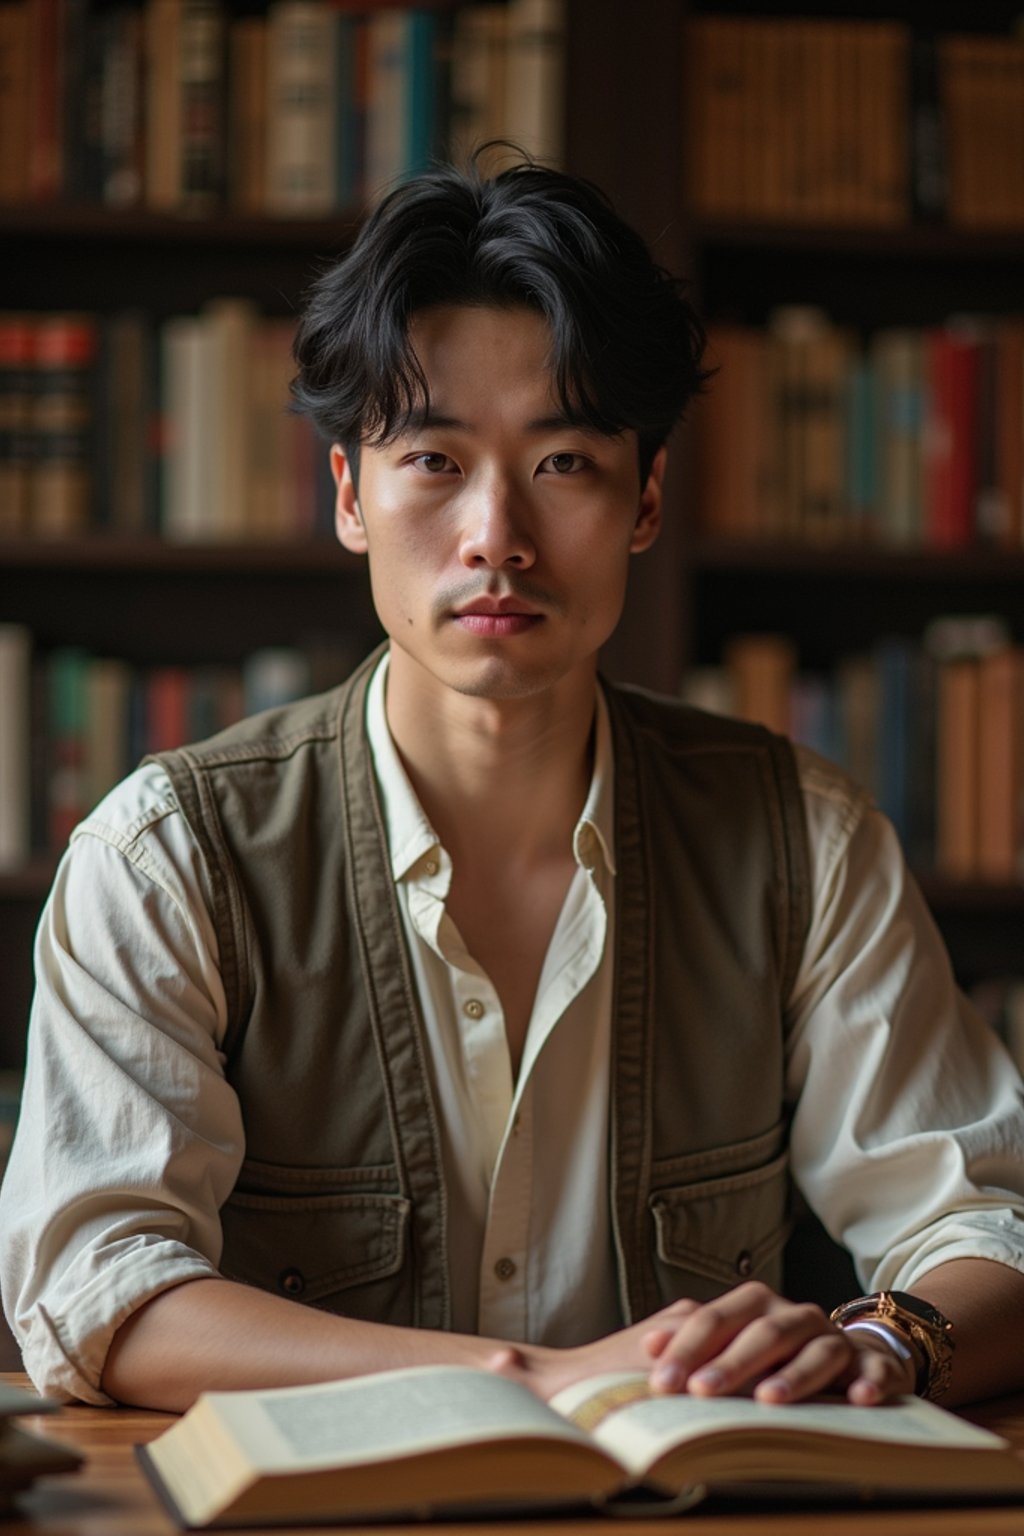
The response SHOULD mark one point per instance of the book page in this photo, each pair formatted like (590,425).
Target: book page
(393,1414)
(637,1428)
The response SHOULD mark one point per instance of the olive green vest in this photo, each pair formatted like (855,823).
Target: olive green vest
(341,1198)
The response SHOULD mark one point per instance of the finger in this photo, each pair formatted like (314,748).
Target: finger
(879,1376)
(797,1338)
(702,1336)
(657,1341)
(822,1363)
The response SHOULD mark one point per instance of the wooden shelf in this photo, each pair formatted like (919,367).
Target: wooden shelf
(843,561)
(93,222)
(115,552)
(906,242)
(971,897)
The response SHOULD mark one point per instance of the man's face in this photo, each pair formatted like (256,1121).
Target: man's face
(498,533)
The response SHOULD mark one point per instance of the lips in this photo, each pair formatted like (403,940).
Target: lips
(492,623)
(496,607)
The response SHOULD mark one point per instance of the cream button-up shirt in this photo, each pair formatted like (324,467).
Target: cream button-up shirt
(907,1133)
(529,1247)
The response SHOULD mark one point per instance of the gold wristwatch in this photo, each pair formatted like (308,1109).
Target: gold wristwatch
(918,1321)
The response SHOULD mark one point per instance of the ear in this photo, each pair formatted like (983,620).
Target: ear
(348,520)
(648,517)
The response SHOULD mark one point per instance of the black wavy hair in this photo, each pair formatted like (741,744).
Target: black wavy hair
(626,344)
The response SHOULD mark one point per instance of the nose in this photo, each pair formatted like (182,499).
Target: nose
(496,526)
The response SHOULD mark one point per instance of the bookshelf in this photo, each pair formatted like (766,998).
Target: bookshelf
(835,592)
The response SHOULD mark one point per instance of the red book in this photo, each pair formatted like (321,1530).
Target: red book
(167,709)
(951,437)
(45,99)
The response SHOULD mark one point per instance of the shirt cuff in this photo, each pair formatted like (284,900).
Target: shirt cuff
(65,1339)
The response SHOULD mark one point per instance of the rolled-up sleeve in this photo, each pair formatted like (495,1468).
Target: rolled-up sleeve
(908,1132)
(129,1138)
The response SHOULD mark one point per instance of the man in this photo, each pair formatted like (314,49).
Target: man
(488,1009)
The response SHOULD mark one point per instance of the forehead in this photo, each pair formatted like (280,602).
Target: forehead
(480,347)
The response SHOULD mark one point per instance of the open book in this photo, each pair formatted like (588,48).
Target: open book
(439,1440)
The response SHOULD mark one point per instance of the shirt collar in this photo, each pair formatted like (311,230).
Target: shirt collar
(410,836)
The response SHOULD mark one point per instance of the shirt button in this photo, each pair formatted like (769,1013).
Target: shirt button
(292,1282)
(473,1008)
(431,866)
(505,1269)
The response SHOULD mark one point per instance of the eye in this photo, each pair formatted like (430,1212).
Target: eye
(564,463)
(433,463)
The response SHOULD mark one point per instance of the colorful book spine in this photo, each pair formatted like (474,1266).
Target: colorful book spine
(17,452)
(62,424)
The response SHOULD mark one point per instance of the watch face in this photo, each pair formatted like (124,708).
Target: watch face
(918,1308)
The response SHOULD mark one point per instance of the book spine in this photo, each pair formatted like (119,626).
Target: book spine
(17,449)
(420,104)
(203,88)
(1010,430)
(301,105)
(930,178)
(166,708)
(15,733)
(15,54)
(247,114)
(80,48)
(1000,767)
(535,117)
(128,409)
(229,326)
(62,424)
(45,171)
(956,849)
(762,669)
(388,109)
(185,378)
(67,796)
(106,760)
(163,103)
(123,107)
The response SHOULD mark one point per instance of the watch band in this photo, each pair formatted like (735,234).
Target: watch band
(920,1322)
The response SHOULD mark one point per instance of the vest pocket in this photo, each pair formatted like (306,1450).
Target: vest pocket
(331,1249)
(723,1230)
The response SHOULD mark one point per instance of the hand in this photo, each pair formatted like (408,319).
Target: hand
(789,1350)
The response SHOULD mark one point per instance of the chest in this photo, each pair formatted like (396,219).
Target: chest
(507,923)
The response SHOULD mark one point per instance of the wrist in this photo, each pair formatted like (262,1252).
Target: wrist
(895,1341)
(923,1325)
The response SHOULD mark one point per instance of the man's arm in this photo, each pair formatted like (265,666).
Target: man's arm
(792,1351)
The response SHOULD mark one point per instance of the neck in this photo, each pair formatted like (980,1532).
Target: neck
(495,774)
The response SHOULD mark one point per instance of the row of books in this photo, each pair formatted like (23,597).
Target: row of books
(312,106)
(934,729)
(181,428)
(914,437)
(73,724)
(848,122)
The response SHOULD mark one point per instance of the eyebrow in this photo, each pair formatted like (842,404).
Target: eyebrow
(423,418)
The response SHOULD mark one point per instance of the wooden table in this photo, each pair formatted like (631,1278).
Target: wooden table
(110,1497)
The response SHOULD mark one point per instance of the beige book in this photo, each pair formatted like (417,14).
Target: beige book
(443,1439)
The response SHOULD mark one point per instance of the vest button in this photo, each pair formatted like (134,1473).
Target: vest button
(744,1264)
(473,1009)
(505,1269)
(292,1282)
